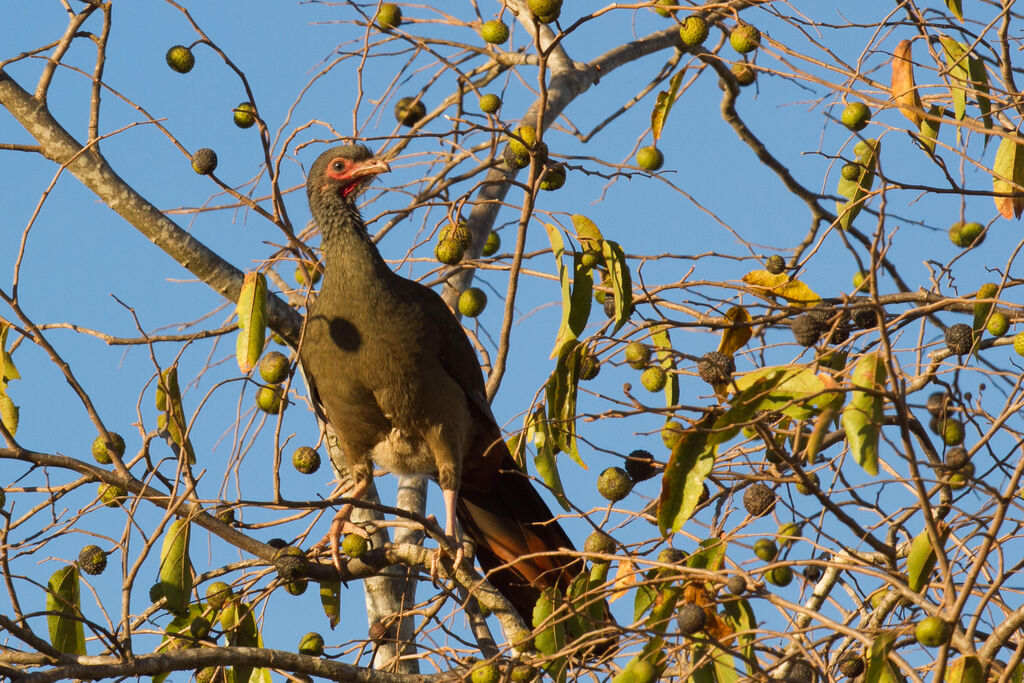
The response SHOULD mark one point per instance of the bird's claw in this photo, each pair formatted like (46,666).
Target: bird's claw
(440,551)
(341,525)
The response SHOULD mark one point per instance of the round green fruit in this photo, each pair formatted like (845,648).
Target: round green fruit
(780,576)
(614,484)
(933,631)
(856,116)
(654,378)
(745,38)
(270,400)
(494,31)
(966,235)
(300,276)
(306,460)
(354,545)
(850,171)
(524,138)
(485,673)
(858,279)
(693,31)
(274,367)
(491,244)
(806,490)
(744,74)
(101,452)
(650,158)
(523,673)
(245,115)
(953,432)
(637,355)
(449,252)
(389,16)
(554,179)
(766,549)
(111,496)
(218,593)
(671,433)
(661,10)
(181,59)
(591,258)
(1018,343)
(458,231)
(204,161)
(998,324)
(472,302)
(409,110)
(490,103)
(312,644)
(545,11)
(600,543)
(959,479)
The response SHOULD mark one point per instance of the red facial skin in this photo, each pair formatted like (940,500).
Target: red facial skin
(352,174)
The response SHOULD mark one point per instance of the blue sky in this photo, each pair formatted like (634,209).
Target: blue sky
(79,255)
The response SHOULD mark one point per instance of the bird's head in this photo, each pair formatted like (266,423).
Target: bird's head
(340,173)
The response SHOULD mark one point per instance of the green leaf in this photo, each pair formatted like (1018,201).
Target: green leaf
(1008,176)
(662,611)
(560,394)
(9,413)
(959,73)
(862,417)
(587,232)
(179,633)
(240,631)
(857,190)
(922,558)
(175,568)
(645,595)
(800,393)
(663,352)
(622,286)
(929,131)
(740,616)
(8,371)
(168,399)
(877,656)
(710,557)
(663,105)
(538,432)
(330,600)
(64,613)
(252,321)
(725,667)
(550,640)
(965,670)
(565,333)
(979,77)
(683,480)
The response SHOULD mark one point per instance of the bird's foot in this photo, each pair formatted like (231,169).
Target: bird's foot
(441,551)
(341,525)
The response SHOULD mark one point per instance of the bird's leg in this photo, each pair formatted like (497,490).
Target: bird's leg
(341,524)
(449,482)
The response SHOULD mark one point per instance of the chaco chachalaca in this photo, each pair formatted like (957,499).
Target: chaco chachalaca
(401,387)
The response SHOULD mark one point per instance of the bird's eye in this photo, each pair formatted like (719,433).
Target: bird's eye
(338,166)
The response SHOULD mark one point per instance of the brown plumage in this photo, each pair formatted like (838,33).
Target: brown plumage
(401,386)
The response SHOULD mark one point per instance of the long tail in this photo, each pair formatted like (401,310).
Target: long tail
(510,524)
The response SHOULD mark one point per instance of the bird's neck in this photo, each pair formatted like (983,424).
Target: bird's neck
(355,272)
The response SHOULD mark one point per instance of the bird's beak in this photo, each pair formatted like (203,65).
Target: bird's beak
(369,168)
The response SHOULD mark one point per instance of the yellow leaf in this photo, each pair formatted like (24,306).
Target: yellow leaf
(1007,177)
(252,320)
(904,92)
(734,338)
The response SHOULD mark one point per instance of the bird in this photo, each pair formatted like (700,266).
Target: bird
(398,381)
